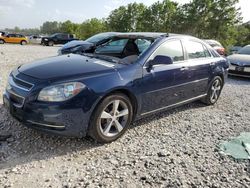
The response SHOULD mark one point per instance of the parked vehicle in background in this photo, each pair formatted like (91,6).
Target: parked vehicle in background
(234,49)
(2,33)
(217,46)
(35,39)
(240,62)
(100,94)
(88,46)
(57,38)
(13,38)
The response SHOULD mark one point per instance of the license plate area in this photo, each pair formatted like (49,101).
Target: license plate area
(240,69)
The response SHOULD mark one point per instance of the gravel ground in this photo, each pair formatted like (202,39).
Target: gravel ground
(177,148)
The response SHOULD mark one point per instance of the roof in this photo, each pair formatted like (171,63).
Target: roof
(153,35)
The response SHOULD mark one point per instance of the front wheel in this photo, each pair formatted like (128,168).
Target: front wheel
(111,118)
(50,43)
(214,91)
(2,41)
(23,42)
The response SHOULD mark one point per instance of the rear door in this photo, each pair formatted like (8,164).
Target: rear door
(198,67)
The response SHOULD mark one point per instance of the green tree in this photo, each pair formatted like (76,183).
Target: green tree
(127,18)
(160,17)
(91,27)
(50,27)
(69,27)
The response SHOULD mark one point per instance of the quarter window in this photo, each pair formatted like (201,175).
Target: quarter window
(196,50)
(172,49)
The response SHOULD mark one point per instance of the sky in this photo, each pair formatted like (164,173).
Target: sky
(32,13)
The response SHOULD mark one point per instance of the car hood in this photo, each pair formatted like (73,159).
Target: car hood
(239,59)
(66,66)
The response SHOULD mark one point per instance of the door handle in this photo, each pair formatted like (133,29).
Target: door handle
(184,68)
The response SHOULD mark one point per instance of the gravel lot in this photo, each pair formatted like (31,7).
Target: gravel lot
(177,148)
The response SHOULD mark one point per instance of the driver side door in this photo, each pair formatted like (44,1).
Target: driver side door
(160,87)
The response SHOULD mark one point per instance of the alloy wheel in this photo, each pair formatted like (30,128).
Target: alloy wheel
(215,90)
(113,118)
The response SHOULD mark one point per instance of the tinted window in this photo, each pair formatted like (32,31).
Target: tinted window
(11,35)
(142,44)
(172,49)
(65,36)
(195,50)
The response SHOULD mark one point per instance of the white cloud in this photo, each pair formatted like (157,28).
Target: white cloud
(59,15)
(17,3)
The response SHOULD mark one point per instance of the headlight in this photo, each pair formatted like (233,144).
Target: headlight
(46,39)
(61,92)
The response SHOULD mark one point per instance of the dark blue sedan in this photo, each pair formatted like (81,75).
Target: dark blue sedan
(101,93)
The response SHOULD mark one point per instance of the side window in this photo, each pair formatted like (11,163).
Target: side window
(172,49)
(195,50)
(64,36)
(142,44)
(59,36)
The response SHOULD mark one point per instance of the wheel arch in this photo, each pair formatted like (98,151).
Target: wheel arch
(125,92)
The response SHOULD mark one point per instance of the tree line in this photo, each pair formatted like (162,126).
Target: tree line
(208,19)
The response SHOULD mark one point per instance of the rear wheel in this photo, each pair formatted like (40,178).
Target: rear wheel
(23,42)
(50,43)
(214,91)
(2,41)
(111,118)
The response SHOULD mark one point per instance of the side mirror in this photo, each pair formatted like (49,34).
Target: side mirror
(159,60)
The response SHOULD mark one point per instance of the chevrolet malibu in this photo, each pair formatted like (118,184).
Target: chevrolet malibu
(100,94)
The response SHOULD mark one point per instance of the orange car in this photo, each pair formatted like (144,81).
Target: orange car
(13,38)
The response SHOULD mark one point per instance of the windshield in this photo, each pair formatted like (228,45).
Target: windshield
(96,38)
(245,50)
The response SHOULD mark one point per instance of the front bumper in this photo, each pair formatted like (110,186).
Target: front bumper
(239,71)
(55,119)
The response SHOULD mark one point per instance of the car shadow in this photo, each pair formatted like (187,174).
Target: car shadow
(26,145)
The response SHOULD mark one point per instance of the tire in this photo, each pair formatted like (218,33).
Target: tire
(50,43)
(214,91)
(2,41)
(105,126)
(23,42)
